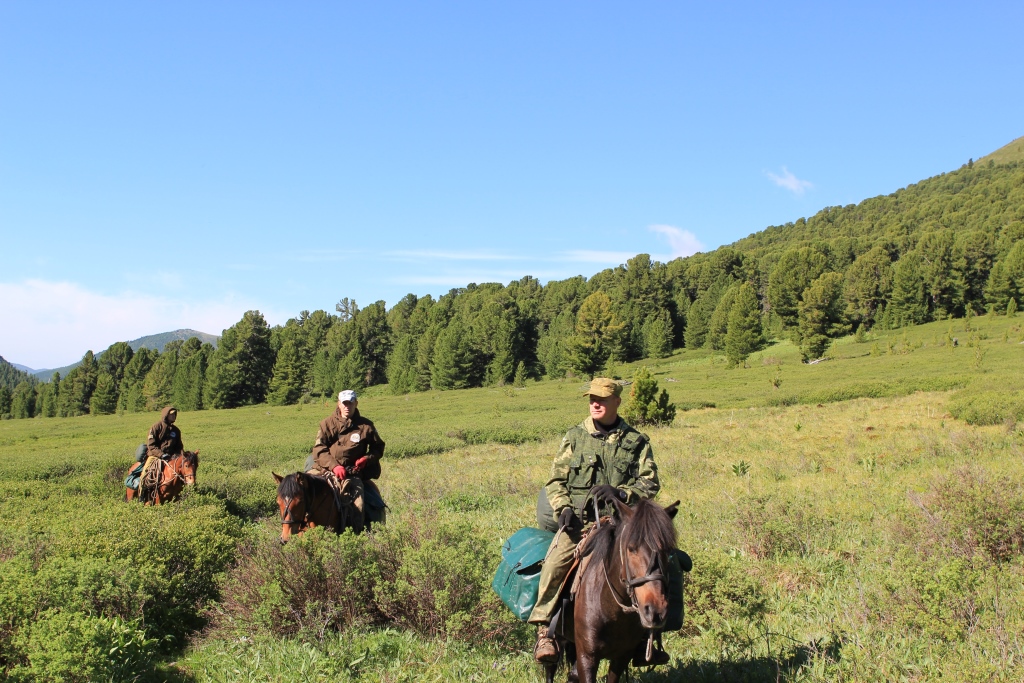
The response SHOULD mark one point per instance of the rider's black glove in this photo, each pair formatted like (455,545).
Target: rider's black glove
(608,493)
(567,518)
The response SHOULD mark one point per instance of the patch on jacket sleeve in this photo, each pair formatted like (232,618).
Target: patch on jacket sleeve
(355,437)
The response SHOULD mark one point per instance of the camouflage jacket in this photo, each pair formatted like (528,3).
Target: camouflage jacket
(588,458)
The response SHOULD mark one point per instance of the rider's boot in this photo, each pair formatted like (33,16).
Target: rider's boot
(545,651)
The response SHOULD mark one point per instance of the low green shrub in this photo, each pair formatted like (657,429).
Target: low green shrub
(317,582)
(969,511)
(931,596)
(71,647)
(436,579)
(773,526)
(987,407)
(720,588)
(429,576)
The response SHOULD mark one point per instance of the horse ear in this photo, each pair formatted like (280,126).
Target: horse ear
(277,477)
(673,509)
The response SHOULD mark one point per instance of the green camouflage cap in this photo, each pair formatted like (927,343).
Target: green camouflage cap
(603,387)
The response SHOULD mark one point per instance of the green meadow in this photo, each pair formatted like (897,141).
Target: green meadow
(859,519)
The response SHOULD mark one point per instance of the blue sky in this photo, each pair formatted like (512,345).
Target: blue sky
(168,165)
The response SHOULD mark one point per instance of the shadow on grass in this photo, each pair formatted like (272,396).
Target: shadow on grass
(744,670)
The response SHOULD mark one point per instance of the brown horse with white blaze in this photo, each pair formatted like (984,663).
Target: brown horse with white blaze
(175,473)
(622,598)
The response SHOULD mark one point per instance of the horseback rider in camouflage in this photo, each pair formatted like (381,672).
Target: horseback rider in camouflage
(603,449)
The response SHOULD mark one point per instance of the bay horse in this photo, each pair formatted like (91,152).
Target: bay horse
(307,500)
(175,473)
(622,596)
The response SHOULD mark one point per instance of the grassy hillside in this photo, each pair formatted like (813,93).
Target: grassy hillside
(1007,153)
(866,539)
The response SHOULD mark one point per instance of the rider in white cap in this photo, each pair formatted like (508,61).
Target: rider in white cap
(349,447)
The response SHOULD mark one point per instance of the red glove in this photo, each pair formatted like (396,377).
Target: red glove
(360,464)
(339,471)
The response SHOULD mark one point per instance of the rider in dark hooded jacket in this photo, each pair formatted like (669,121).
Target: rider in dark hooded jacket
(164,436)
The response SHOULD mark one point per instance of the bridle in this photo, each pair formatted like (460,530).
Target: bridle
(655,572)
(287,517)
(175,471)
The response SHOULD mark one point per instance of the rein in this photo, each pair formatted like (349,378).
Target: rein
(175,471)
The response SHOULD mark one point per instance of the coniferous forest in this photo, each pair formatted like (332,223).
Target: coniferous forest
(949,246)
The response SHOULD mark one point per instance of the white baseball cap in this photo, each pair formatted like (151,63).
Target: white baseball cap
(347,395)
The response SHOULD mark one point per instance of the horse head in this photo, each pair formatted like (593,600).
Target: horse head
(644,536)
(292,501)
(189,467)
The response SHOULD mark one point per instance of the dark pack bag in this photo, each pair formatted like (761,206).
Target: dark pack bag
(517,580)
(678,562)
(545,515)
(373,504)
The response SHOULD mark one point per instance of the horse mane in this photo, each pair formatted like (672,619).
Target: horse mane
(291,486)
(648,525)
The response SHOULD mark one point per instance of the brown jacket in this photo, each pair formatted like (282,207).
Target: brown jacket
(342,442)
(164,437)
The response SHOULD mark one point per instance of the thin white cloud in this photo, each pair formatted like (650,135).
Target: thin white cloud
(681,242)
(46,324)
(449,255)
(790,182)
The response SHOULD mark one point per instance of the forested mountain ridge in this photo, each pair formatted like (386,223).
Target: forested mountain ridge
(10,376)
(948,246)
(157,342)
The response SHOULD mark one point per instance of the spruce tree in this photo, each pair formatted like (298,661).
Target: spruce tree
(114,361)
(131,398)
(240,369)
(159,383)
(718,325)
(790,277)
(352,371)
(23,400)
(401,365)
(658,335)
(286,381)
(50,393)
(450,365)
(908,304)
(821,315)
(744,334)
(867,284)
(104,398)
(1011,308)
(520,377)
(597,331)
(5,401)
(552,346)
(645,406)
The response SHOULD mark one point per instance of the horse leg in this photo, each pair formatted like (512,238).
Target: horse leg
(617,667)
(570,661)
(586,667)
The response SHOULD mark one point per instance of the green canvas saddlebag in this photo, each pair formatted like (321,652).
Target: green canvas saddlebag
(518,577)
